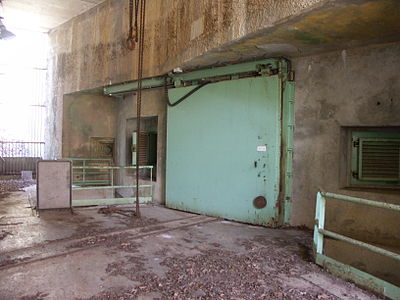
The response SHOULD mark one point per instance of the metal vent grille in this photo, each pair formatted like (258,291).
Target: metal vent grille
(143,148)
(101,147)
(379,159)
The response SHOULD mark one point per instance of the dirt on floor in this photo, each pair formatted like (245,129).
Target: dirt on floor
(217,273)
(108,253)
(13,185)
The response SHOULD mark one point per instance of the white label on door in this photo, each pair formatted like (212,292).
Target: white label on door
(261,148)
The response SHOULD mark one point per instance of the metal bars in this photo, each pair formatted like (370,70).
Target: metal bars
(114,200)
(84,177)
(362,201)
(19,156)
(359,243)
(380,286)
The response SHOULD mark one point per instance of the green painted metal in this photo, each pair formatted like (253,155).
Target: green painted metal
(287,147)
(109,201)
(360,137)
(213,166)
(123,88)
(88,159)
(319,223)
(362,201)
(359,277)
(378,141)
(112,201)
(113,167)
(180,79)
(343,270)
(108,187)
(261,67)
(372,248)
(83,177)
(134,143)
(274,125)
(91,182)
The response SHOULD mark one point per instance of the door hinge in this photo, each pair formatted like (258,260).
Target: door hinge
(265,69)
(354,174)
(356,143)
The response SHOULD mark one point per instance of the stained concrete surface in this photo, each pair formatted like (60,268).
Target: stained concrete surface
(335,91)
(349,88)
(90,50)
(167,255)
(86,115)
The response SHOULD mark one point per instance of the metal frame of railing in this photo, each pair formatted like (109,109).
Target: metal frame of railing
(113,200)
(376,284)
(17,156)
(85,177)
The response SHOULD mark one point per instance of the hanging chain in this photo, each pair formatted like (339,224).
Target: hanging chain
(130,19)
(133,25)
(139,98)
(136,21)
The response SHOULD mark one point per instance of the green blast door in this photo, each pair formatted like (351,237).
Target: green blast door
(224,150)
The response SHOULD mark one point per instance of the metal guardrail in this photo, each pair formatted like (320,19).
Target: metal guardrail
(112,200)
(85,177)
(378,285)
(19,156)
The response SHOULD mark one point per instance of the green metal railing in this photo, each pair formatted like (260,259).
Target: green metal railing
(113,200)
(87,177)
(378,285)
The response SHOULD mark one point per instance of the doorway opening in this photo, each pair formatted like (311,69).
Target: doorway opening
(147,143)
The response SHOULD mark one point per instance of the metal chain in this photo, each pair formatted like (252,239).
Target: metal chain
(139,98)
(133,27)
(136,20)
(130,19)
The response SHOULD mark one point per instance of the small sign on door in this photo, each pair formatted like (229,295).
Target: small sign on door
(261,148)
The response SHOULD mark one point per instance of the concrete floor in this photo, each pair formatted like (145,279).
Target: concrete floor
(166,255)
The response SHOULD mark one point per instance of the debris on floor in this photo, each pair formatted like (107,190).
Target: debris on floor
(167,254)
(4,233)
(13,185)
(217,273)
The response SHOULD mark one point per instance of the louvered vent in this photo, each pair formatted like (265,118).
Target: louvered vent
(101,147)
(143,148)
(379,159)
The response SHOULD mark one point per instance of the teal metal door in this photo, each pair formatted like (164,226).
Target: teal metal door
(224,149)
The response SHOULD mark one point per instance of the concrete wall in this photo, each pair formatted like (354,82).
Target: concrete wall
(89,51)
(153,105)
(333,90)
(359,87)
(84,116)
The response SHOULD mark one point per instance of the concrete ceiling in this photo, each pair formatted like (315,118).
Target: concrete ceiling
(42,15)
(337,24)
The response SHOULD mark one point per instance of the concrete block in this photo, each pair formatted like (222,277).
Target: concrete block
(26,175)
(53,184)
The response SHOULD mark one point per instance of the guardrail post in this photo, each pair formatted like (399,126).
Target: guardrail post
(151,184)
(84,171)
(112,181)
(319,223)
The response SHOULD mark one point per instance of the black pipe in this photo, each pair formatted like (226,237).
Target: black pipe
(184,96)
